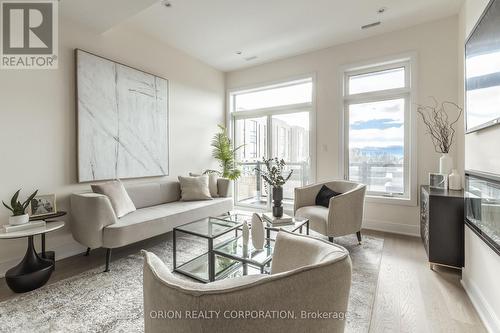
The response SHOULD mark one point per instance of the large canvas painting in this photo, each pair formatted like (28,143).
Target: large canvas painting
(122,120)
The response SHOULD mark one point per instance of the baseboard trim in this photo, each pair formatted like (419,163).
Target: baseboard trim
(395,228)
(486,313)
(62,251)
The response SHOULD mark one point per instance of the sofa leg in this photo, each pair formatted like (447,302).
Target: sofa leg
(88,252)
(108,258)
(330,239)
(358,234)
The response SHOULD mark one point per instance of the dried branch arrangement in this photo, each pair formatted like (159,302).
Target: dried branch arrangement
(439,125)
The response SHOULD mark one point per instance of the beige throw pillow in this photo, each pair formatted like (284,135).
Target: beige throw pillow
(116,193)
(194,188)
(212,183)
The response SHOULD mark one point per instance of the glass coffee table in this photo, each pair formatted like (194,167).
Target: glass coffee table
(206,267)
(228,258)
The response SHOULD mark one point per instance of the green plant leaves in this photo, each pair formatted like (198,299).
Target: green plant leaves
(224,152)
(16,207)
(273,175)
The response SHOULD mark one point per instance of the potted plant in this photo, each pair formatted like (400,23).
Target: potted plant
(273,176)
(18,209)
(224,152)
(441,130)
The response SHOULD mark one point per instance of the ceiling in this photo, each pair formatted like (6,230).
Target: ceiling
(213,31)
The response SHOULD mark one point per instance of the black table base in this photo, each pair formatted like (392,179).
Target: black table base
(32,272)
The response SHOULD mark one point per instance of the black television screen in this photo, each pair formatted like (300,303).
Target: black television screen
(482,71)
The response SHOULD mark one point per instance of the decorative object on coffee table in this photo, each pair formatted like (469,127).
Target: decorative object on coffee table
(245,232)
(438,181)
(441,129)
(42,205)
(35,268)
(257,232)
(273,176)
(18,209)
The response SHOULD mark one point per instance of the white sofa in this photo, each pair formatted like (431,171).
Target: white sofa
(308,275)
(159,209)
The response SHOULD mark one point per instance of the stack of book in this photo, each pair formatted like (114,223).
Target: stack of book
(283,220)
(30,225)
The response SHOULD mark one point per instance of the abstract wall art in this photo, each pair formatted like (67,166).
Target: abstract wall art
(122,120)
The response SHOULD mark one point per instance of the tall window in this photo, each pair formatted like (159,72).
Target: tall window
(377,127)
(271,121)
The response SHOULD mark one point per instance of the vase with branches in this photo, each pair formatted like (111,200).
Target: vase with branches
(224,152)
(441,128)
(274,176)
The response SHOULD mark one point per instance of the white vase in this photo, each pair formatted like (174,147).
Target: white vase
(445,164)
(19,219)
(455,180)
(245,233)
(257,232)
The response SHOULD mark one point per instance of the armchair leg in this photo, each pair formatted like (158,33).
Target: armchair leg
(358,234)
(108,258)
(330,239)
(88,252)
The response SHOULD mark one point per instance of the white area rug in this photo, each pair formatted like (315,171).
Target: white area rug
(112,302)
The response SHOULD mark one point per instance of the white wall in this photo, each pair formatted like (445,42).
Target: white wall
(482,265)
(38,120)
(435,44)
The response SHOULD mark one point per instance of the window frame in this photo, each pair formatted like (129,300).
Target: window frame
(268,112)
(408,93)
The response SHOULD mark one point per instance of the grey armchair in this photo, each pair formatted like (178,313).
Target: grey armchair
(307,275)
(344,214)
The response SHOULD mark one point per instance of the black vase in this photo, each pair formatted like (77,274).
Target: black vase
(277,199)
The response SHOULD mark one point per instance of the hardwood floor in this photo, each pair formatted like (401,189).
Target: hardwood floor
(413,298)
(410,296)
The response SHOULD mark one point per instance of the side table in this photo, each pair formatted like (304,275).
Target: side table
(35,269)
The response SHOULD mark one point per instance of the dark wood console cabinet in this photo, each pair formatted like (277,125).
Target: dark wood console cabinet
(442,226)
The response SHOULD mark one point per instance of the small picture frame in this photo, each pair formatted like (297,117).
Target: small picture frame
(438,181)
(42,205)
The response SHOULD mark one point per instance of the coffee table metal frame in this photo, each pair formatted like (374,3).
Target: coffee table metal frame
(210,239)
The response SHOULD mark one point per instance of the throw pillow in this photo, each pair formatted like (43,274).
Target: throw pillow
(194,188)
(212,183)
(117,195)
(324,195)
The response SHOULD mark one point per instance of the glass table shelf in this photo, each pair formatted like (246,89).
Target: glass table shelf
(234,249)
(198,268)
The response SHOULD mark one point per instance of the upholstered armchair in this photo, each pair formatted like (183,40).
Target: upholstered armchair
(307,275)
(344,214)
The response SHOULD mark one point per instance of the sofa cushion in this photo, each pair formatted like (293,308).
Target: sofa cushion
(152,221)
(153,193)
(212,183)
(117,195)
(194,188)
(317,215)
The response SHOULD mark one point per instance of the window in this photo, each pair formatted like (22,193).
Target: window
(377,128)
(271,121)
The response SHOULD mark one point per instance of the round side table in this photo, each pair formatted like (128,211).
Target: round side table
(35,269)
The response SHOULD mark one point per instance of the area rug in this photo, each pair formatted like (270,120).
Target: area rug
(113,302)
